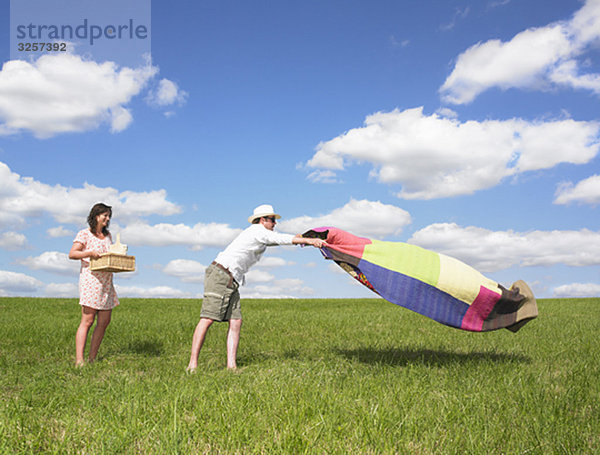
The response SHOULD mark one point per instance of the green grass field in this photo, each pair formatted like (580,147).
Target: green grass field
(316,376)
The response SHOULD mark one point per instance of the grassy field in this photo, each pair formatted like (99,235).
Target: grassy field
(316,376)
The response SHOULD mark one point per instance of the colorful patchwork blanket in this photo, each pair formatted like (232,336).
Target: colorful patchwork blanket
(432,284)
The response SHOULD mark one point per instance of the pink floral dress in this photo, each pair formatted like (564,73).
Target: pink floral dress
(96,289)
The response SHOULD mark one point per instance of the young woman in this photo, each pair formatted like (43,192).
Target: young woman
(97,295)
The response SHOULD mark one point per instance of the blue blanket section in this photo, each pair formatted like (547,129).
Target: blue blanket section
(415,295)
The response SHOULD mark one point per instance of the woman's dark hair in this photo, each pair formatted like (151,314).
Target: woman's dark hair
(99,209)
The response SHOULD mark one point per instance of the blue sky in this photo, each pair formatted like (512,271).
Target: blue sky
(466,127)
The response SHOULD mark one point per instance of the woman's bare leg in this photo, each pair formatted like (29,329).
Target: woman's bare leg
(98,335)
(87,319)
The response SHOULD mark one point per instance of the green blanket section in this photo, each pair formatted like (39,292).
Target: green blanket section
(410,260)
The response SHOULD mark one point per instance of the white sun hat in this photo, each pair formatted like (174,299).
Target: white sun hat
(263,210)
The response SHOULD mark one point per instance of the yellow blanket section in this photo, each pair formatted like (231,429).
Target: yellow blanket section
(444,272)
(462,281)
(410,260)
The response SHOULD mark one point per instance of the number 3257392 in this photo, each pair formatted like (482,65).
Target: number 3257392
(42,47)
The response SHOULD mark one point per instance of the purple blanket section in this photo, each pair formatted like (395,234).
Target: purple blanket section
(417,296)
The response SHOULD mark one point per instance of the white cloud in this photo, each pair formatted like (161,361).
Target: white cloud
(60,231)
(12,241)
(14,283)
(121,118)
(544,145)
(334,268)
(435,157)
(490,251)
(186,270)
(585,192)
(167,93)
(395,42)
(61,290)
(277,289)
(446,112)
(497,3)
(64,93)
(323,176)
(367,218)
(52,261)
(585,25)
(164,234)
(536,58)
(577,290)
(567,73)
(519,63)
(458,15)
(257,275)
(9,220)
(165,292)
(22,197)
(273,261)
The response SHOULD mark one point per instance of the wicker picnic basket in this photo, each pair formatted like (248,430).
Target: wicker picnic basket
(111,262)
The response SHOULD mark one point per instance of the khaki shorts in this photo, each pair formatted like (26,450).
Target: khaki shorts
(221,300)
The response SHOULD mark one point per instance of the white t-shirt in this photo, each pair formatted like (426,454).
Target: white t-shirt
(248,247)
